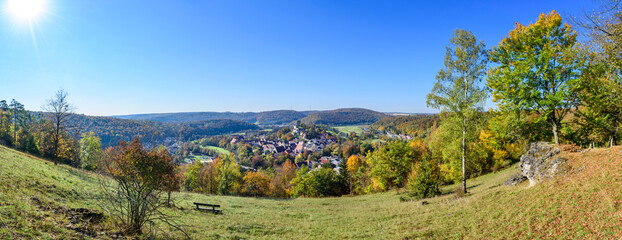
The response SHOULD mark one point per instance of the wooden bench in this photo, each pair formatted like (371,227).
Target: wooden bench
(208,207)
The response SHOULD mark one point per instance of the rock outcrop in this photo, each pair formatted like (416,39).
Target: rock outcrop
(541,162)
(515,179)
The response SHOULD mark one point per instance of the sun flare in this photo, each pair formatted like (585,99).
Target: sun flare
(26,9)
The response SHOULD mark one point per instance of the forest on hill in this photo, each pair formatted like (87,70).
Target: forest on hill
(418,125)
(343,116)
(112,130)
(191,116)
(276,117)
(338,117)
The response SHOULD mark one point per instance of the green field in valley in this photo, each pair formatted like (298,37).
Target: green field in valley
(220,150)
(358,129)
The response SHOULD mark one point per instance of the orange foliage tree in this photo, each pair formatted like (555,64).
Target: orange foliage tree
(256,184)
(139,176)
(281,186)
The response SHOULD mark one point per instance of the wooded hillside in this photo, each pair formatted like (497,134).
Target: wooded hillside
(344,116)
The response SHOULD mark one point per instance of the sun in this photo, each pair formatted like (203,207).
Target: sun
(26,9)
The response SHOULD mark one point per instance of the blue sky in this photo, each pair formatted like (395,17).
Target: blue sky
(123,57)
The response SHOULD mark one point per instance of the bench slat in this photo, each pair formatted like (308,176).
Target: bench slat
(205,204)
(212,209)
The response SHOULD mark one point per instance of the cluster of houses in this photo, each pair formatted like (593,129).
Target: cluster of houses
(270,146)
(293,148)
(399,136)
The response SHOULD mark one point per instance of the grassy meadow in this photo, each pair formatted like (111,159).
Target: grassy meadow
(219,150)
(358,129)
(585,203)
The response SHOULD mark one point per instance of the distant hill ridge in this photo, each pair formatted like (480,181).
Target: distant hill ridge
(112,130)
(343,116)
(276,117)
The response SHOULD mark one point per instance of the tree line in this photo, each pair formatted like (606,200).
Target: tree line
(548,86)
(44,134)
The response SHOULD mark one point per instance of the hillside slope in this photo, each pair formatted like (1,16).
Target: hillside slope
(39,199)
(585,203)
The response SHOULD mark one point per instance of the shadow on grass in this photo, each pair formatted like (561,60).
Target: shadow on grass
(453,189)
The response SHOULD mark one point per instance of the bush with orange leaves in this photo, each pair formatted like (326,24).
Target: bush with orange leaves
(139,175)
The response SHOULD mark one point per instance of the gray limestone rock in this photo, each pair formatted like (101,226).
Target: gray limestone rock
(541,162)
(515,179)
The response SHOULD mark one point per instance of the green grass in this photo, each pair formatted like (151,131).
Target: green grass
(23,178)
(358,129)
(219,150)
(586,204)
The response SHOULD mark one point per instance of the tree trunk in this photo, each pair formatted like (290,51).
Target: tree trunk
(55,150)
(14,131)
(168,199)
(555,133)
(351,183)
(611,141)
(464,189)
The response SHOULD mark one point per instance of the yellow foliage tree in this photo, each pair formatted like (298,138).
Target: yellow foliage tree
(353,164)
(256,184)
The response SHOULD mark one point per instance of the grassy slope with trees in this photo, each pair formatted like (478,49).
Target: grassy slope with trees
(547,210)
(488,211)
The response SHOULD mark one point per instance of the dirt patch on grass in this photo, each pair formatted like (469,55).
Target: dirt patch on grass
(86,223)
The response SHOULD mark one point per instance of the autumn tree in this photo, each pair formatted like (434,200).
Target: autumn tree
(172,183)
(17,114)
(133,198)
(538,70)
(352,166)
(603,29)
(58,111)
(90,151)
(600,118)
(230,181)
(321,182)
(458,90)
(256,184)
(391,164)
(601,90)
(425,180)
(191,176)
(280,185)
(4,120)
(503,137)
(209,176)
